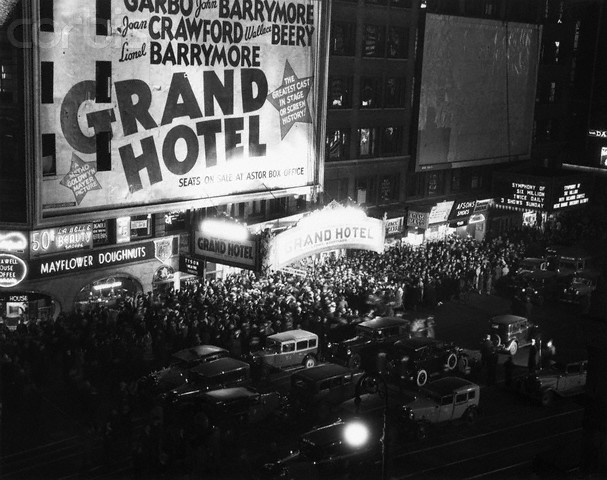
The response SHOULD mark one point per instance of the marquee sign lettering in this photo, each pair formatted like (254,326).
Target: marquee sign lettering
(570,196)
(243,254)
(205,99)
(13,242)
(328,229)
(526,195)
(12,270)
(53,240)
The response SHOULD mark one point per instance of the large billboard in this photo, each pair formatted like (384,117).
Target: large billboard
(477,92)
(182,101)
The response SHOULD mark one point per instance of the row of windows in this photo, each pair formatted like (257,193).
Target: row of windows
(369,142)
(367,190)
(377,40)
(375,92)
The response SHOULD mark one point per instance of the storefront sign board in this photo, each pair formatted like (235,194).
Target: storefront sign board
(571,195)
(108,257)
(13,270)
(191,265)
(395,225)
(60,239)
(417,219)
(462,209)
(242,253)
(196,97)
(15,242)
(440,212)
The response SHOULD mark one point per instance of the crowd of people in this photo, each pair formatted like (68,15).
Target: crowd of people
(105,351)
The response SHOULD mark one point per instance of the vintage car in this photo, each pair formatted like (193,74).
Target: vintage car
(562,379)
(531,264)
(443,400)
(573,260)
(232,406)
(508,332)
(221,373)
(372,337)
(176,373)
(418,359)
(316,391)
(580,287)
(288,349)
(542,285)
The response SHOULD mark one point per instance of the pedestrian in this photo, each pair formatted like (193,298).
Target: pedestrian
(486,349)
(532,360)
(547,356)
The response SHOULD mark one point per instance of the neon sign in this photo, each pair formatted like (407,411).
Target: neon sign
(13,242)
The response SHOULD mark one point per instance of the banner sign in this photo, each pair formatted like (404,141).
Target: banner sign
(107,257)
(395,225)
(182,100)
(417,219)
(329,229)
(482,205)
(440,212)
(241,254)
(191,265)
(60,239)
(462,209)
(12,270)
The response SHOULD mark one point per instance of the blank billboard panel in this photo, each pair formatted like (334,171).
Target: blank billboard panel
(477,92)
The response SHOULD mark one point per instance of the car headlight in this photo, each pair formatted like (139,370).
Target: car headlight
(408,413)
(577,292)
(349,352)
(565,291)
(329,345)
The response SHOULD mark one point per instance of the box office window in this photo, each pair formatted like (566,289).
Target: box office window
(342,38)
(373,41)
(370,88)
(397,42)
(340,92)
(338,144)
(394,92)
(367,142)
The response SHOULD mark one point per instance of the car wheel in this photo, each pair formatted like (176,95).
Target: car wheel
(421,431)
(422,378)
(547,398)
(309,362)
(513,348)
(471,415)
(496,340)
(355,361)
(451,361)
(462,364)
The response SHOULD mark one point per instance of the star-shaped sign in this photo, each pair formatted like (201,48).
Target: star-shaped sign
(81,178)
(291,100)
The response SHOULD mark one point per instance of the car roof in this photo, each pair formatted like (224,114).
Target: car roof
(292,335)
(539,274)
(507,319)
(574,253)
(383,322)
(446,385)
(532,261)
(216,367)
(322,371)
(229,394)
(197,352)
(416,342)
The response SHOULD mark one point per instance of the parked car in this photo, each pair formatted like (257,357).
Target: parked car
(418,359)
(542,285)
(372,337)
(316,391)
(530,265)
(511,332)
(221,373)
(443,400)
(232,406)
(288,349)
(561,379)
(176,373)
(580,287)
(573,260)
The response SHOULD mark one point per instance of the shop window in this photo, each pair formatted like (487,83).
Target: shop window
(373,41)
(391,140)
(367,142)
(394,92)
(108,292)
(340,92)
(338,144)
(342,38)
(26,306)
(397,42)
(369,92)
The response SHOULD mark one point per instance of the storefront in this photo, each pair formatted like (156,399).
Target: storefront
(468,218)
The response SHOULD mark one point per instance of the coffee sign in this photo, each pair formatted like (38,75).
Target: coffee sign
(12,270)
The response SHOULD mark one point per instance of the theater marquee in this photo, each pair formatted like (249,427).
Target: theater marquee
(329,229)
(183,101)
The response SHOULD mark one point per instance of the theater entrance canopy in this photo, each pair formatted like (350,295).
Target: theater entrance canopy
(334,227)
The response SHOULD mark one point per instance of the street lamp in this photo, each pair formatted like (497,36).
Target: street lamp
(370,383)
